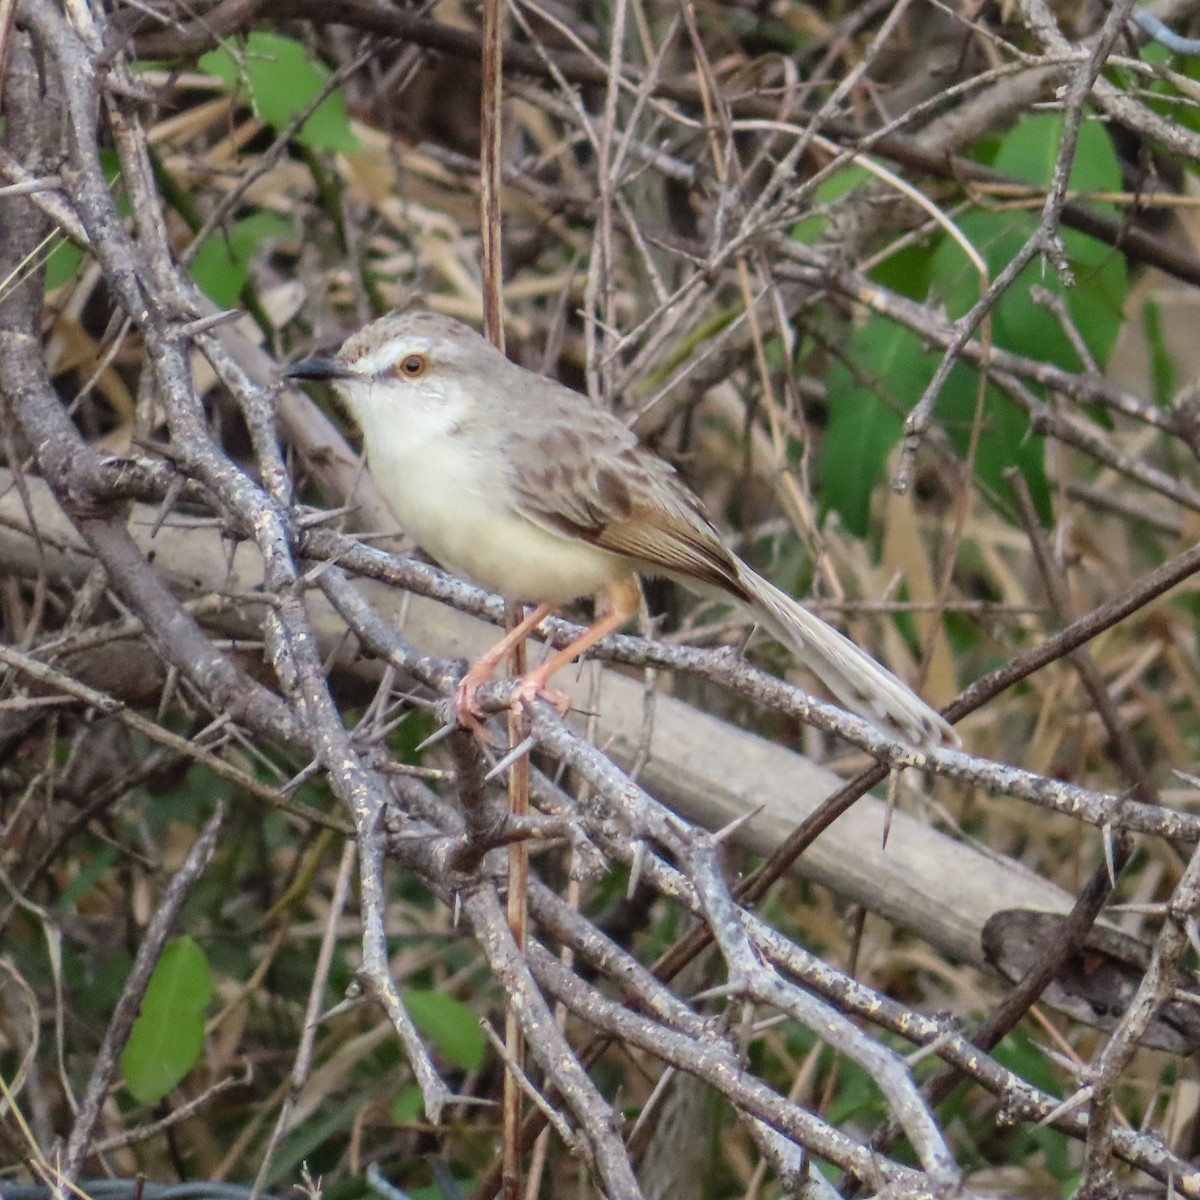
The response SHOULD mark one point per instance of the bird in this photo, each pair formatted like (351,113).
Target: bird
(534,491)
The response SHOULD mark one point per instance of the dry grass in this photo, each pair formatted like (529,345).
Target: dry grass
(687,250)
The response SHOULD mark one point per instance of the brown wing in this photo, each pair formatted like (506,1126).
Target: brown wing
(591,479)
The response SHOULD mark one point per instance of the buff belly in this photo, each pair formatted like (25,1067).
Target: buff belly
(512,556)
(442,500)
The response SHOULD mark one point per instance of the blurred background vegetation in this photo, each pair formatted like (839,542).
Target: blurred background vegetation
(753,251)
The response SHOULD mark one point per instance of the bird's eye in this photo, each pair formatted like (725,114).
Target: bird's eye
(413,366)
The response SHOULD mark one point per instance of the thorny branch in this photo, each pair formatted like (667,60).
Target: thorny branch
(723,275)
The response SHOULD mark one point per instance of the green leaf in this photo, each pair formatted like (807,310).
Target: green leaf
(190,800)
(282,81)
(407,1105)
(435,1191)
(415,729)
(862,429)
(1030,149)
(1097,301)
(1162,363)
(1020,1054)
(841,183)
(223,262)
(1005,441)
(169,1032)
(62,264)
(909,271)
(450,1025)
(1095,304)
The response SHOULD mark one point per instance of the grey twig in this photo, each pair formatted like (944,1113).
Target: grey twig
(1104,1074)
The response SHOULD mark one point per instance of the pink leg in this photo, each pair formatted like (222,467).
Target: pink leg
(482,669)
(623,598)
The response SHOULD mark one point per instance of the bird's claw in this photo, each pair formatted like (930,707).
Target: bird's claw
(466,707)
(532,688)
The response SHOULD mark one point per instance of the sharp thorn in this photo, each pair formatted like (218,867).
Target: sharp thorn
(174,491)
(732,988)
(729,830)
(438,735)
(517,752)
(1068,1105)
(635,869)
(204,324)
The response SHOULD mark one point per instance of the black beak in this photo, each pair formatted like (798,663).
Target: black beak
(318,368)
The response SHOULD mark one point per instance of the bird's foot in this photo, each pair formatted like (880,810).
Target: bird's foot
(530,687)
(466,703)
(533,687)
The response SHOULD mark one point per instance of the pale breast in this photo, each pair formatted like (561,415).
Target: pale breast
(453,502)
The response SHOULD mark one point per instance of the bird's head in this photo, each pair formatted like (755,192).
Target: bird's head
(402,358)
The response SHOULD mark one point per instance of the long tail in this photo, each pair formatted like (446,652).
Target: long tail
(856,679)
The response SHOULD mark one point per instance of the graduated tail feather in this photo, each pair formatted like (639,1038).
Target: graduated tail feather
(856,679)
